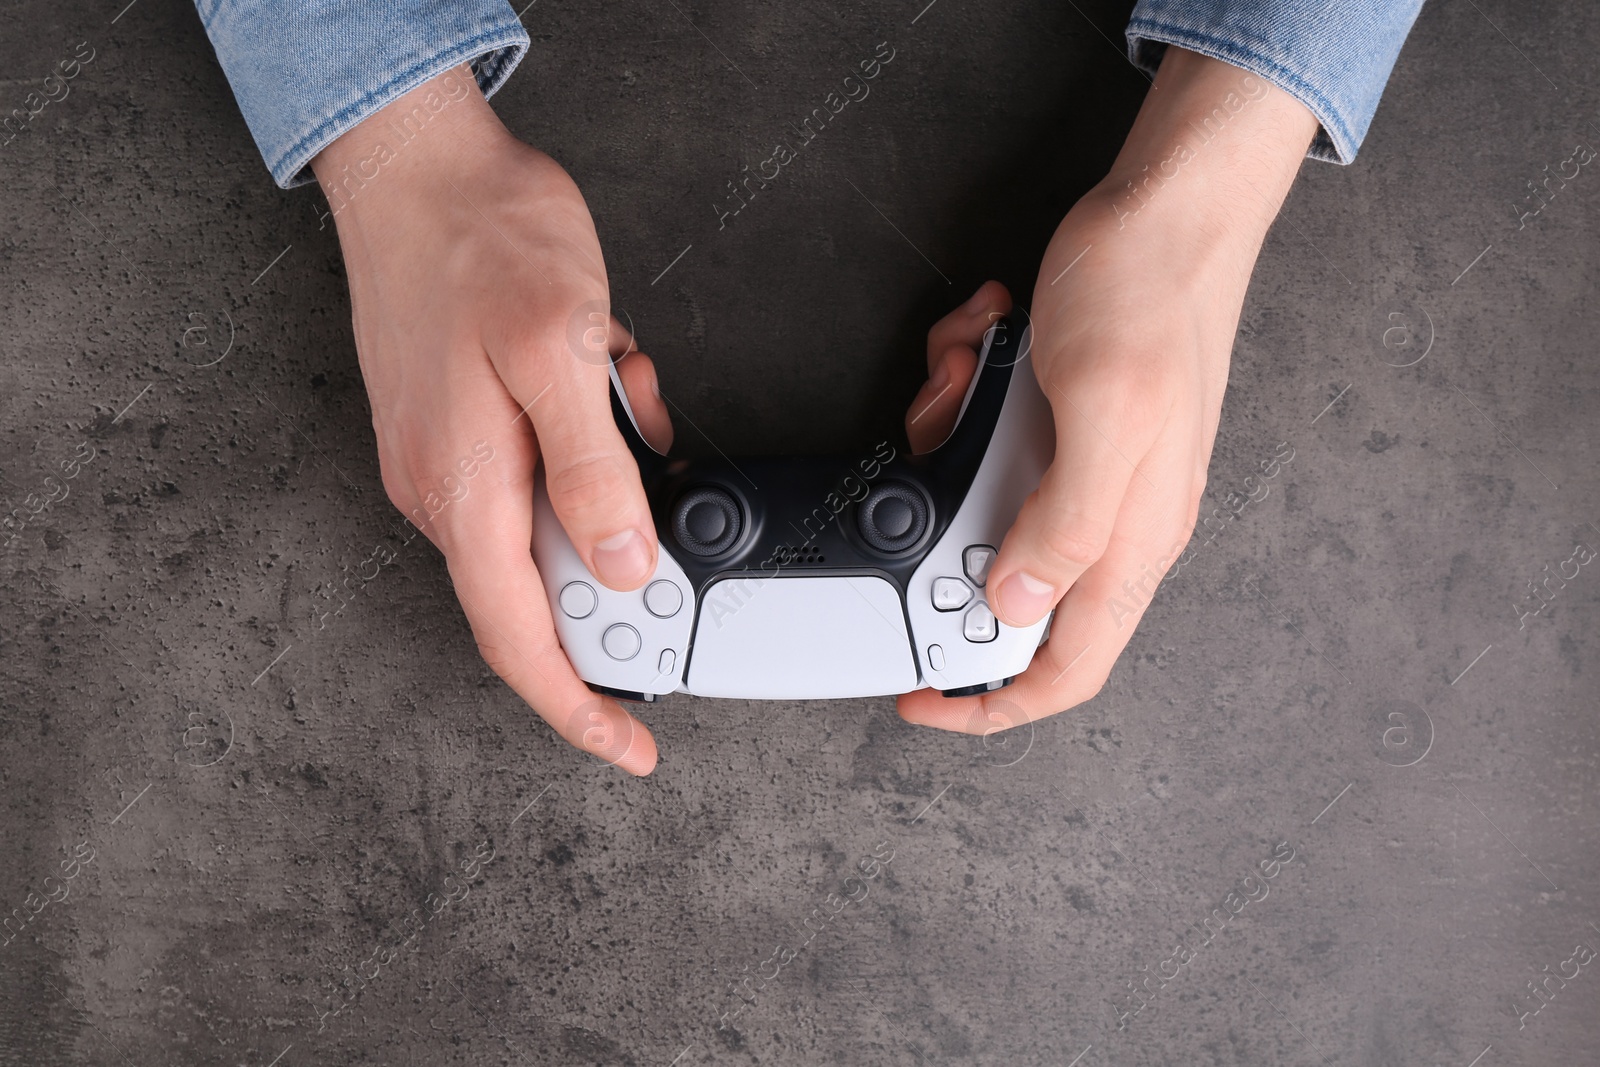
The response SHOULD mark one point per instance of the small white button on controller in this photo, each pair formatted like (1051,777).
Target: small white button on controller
(620,641)
(668,660)
(936,657)
(663,599)
(950,594)
(578,600)
(979,625)
(976,560)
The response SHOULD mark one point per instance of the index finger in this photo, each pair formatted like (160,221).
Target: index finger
(965,326)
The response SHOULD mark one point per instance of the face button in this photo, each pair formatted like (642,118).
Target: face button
(578,600)
(668,660)
(621,641)
(706,521)
(976,560)
(663,599)
(893,517)
(979,625)
(936,657)
(950,594)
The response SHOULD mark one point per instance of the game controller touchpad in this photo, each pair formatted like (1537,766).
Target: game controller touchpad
(802,639)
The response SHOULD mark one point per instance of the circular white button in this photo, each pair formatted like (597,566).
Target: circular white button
(663,599)
(578,600)
(620,641)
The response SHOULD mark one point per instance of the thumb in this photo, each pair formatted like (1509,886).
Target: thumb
(592,478)
(594,489)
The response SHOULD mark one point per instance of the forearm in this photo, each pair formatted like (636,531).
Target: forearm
(1212,154)
(440,126)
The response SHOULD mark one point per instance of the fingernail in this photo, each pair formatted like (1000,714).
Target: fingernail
(622,559)
(1025,599)
(975,301)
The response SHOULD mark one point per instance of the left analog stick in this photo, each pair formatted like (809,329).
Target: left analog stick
(707,521)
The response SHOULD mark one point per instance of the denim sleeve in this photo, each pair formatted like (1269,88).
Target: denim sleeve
(306,71)
(1334,56)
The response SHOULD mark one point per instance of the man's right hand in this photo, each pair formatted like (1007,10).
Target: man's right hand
(483,325)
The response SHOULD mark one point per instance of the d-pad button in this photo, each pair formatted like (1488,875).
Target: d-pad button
(979,626)
(950,594)
(976,561)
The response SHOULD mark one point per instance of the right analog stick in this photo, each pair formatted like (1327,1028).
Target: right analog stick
(893,517)
(707,521)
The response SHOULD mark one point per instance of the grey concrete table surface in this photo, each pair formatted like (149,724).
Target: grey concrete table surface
(247,804)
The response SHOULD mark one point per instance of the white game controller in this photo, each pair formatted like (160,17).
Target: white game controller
(813,578)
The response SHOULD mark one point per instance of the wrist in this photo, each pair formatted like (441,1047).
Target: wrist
(443,125)
(1211,156)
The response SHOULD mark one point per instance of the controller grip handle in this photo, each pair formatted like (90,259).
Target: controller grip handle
(1005,346)
(649,460)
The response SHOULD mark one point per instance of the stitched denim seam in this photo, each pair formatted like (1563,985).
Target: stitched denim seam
(1239,55)
(295,158)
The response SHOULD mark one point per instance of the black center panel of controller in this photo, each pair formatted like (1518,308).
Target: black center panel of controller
(770,517)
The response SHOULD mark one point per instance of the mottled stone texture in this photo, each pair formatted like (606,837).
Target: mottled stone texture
(283,825)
